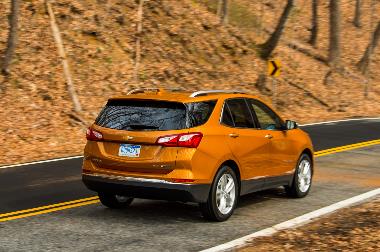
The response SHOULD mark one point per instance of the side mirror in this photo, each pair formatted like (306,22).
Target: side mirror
(289,125)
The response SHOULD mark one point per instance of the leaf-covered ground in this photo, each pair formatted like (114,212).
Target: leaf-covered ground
(183,45)
(351,229)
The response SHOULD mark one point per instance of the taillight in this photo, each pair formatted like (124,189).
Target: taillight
(189,140)
(93,135)
(171,140)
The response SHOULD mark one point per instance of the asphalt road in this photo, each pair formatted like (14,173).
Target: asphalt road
(171,226)
(48,183)
(332,135)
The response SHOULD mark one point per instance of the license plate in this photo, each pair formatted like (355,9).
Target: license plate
(129,150)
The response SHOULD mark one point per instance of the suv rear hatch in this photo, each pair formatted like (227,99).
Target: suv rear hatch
(130,128)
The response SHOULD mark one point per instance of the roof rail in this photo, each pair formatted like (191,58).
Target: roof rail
(206,92)
(158,90)
(142,90)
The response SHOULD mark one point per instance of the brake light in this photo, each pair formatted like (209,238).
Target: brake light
(93,135)
(189,140)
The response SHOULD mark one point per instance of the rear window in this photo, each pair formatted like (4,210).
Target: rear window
(153,115)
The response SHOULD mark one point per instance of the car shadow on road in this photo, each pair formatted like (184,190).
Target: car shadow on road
(151,211)
(258,197)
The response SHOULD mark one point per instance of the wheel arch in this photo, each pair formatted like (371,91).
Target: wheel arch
(235,167)
(308,152)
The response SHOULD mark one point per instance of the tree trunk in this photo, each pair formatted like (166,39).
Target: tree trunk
(334,50)
(271,43)
(219,8)
(138,40)
(364,61)
(62,55)
(12,36)
(358,12)
(314,23)
(225,10)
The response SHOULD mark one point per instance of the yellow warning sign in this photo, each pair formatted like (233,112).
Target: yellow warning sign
(274,68)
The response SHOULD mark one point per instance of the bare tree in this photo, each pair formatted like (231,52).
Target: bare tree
(334,48)
(314,23)
(271,43)
(364,61)
(12,36)
(62,55)
(138,40)
(225,10)
(358,11)
(219,8)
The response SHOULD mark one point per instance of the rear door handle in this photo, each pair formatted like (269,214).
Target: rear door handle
(269,136)
(233,135)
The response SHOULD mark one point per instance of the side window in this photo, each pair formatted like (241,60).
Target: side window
(226,117)
(266,117)
(199,112)
(239,111)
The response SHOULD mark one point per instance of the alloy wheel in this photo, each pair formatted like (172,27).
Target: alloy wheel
(225,193)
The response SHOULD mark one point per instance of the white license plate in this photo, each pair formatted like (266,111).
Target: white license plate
(129,150)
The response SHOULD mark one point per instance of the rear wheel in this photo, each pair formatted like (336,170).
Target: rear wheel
(223,196)
(302,178)
(114,201)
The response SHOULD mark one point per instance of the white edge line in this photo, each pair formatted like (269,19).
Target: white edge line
(344,120)
(295,222)
(73,157)
(40,162)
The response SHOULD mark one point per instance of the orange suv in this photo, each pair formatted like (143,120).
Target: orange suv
(208,147)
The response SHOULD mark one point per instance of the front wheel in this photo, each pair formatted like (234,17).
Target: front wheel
(302,178)
(114,201)
(223,196)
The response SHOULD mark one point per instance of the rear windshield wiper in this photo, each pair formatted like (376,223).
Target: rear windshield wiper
(141,126)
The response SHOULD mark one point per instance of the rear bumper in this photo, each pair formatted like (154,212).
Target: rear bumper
(147,188)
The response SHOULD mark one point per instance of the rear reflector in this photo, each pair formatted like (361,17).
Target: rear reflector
(189,140)
(183,180)
(93,135)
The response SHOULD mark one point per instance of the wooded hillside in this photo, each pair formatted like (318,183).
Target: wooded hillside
(112,46)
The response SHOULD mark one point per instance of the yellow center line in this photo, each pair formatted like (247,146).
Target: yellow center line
(49,210)
(93,200)
(346,148)
(48,206)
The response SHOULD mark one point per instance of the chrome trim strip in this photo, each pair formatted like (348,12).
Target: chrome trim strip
(257,177)
(272,176)
(132,179)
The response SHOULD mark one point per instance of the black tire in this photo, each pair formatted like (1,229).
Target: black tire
(210,209)
(294,190)
(114,201)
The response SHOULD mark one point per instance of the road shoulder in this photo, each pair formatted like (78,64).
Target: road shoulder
(349,229)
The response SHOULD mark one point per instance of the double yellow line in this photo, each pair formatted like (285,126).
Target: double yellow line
(93,200)
(346,148)
(48,209)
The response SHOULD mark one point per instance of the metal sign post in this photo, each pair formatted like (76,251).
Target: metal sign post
(274,95)
(274,67)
